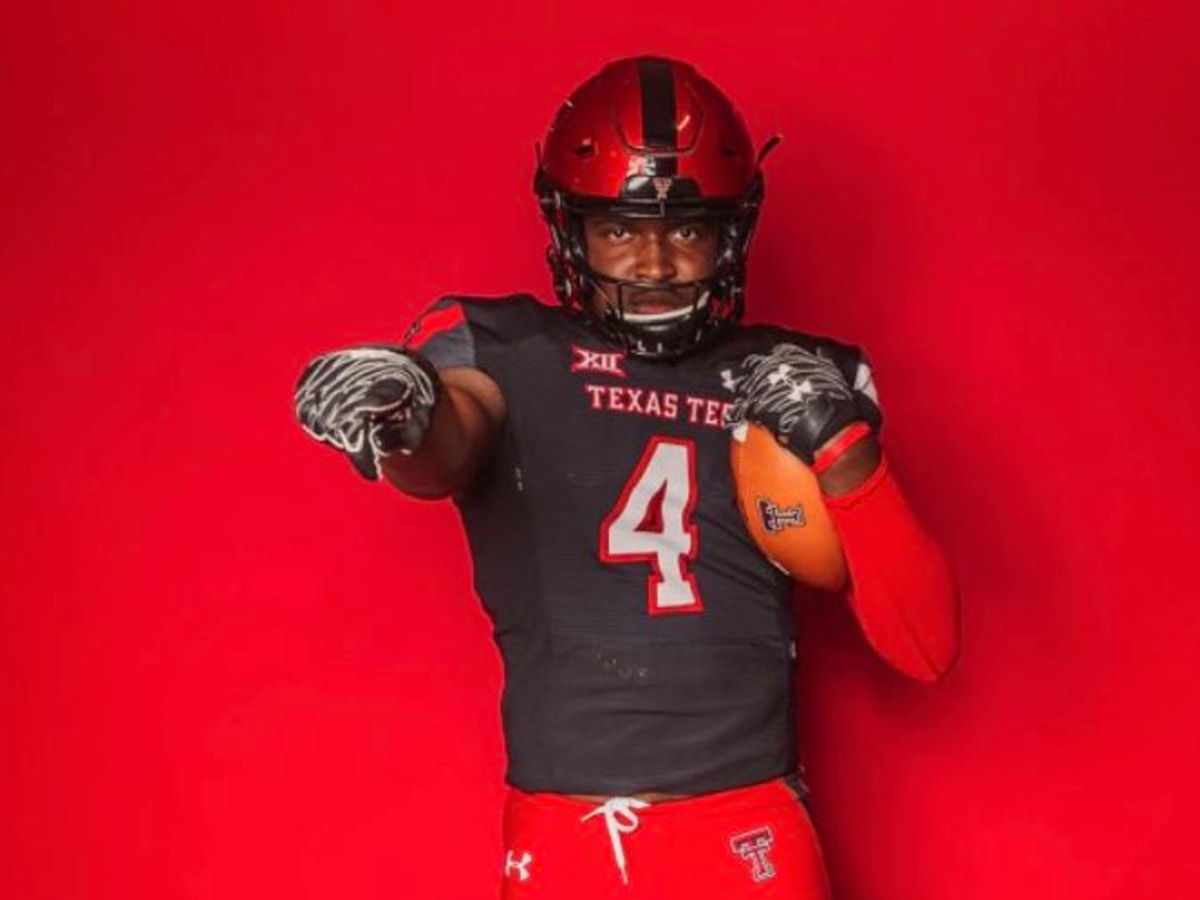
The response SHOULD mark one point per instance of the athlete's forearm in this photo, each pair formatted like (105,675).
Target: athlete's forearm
(901,588)
(458,442)
(852,468)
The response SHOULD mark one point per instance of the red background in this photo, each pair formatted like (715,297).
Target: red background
(232,669)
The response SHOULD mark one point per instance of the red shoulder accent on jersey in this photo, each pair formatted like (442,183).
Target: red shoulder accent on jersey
(901,587)
(435,321)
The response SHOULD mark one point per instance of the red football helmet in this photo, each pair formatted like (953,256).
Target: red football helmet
(650,137)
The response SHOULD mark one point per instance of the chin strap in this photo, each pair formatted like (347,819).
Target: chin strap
(655,336)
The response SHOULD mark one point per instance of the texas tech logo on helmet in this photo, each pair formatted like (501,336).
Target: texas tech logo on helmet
(754,847)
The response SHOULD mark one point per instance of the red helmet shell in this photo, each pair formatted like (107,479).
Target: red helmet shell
(650,137)
(643,126)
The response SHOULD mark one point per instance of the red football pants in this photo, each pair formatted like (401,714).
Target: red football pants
(754,842)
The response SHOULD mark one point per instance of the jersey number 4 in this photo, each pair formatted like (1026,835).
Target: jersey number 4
(652,523)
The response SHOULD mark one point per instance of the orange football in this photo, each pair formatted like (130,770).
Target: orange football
(781,504)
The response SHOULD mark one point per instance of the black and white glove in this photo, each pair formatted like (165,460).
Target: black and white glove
(368,402)
(800,395)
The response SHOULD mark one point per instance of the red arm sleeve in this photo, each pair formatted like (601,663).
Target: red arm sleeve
(901,588)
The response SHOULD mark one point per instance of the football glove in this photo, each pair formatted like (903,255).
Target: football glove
(368,402)
(800,395)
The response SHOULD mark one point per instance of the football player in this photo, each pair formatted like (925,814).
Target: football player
(647,643)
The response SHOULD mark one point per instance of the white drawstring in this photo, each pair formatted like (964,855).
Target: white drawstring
(619,818)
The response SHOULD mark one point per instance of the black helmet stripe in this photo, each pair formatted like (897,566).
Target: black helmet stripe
(658,112)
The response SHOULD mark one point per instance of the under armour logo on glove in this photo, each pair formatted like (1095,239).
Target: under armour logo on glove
(799,394)
(368,402)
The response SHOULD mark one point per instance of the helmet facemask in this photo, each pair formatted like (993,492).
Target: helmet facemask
(607,304)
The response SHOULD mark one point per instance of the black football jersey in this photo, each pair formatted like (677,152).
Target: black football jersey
(647,643)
